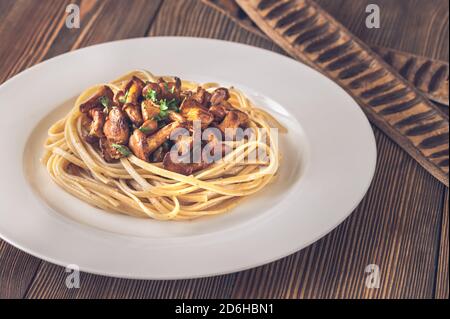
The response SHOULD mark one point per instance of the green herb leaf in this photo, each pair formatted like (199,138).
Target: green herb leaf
(122,149)
(151,95)
(163,114)
(163,106)
(124,99)
(104,101)
(144,129)
(173,105)
(172,89)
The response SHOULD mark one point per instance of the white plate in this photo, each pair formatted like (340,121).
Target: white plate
(329,158)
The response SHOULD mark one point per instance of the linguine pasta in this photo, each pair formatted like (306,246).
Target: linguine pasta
(139,188)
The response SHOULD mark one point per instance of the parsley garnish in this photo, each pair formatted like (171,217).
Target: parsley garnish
(173,105)
(144,129)
(122,149)
(163,105)
(151,95)
(104,101)
(164,108)
(123,99)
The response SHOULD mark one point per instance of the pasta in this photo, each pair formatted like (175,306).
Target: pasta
(141,188)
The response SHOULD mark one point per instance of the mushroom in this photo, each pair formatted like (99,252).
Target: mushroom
(202,96)
(219,95)
(119,98)
(149,127)
(142,146)
(138,145)
(218,111)
(109,152)
(192,111)
(130,100)
(184,144)
(133,90)
(215,149)
(232,121)
(116,127)
(149,110)
(163,90)
(96,126)
(181,168)
(157,139)
(176,117)
(158,155)
(148,88)
(170,90)
(95,101)
(93,108)
(134,113)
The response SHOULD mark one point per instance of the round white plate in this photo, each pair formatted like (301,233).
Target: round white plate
(329,158)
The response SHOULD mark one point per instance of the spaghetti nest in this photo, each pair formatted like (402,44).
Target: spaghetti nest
(141,188)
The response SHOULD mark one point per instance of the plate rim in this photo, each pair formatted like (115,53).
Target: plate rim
(371,169)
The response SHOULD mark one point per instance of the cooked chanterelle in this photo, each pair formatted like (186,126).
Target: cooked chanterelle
(141,117)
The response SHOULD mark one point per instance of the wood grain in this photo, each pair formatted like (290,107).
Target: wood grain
(38,33)
(427,75)
(311,35)
(431,74)
(50,283)
(24,31)
(442,280)
(382,231)
(396,226)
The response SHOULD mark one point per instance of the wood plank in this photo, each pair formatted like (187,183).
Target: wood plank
(422,29)
(33,32)
(50,283)
(284,277)
(17,270)
(396,225)
(209,24)
(43,35)
(107,20)
(428,75)
(388,100)
(442,280)
(379,214)
(50,280)
(415,26)
(24,31)
(433,78)
(424,33)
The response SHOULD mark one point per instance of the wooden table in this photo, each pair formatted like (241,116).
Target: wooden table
(401,225)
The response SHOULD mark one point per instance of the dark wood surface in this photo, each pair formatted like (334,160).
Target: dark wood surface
(430,76)
(401,225)
(399,109)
